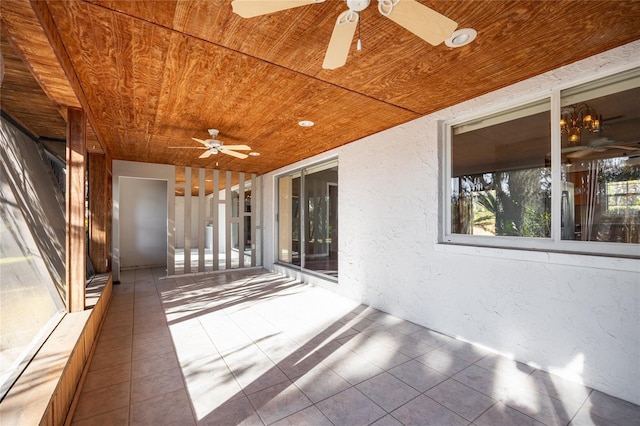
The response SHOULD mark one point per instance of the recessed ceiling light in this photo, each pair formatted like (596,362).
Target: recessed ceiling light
(305,123)
(254,154)
(461,37)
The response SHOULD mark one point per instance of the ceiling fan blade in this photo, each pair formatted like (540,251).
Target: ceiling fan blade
(251,8)
(234,154)
(187,147)
(424,22)
(581,153)
(341,39)
(206,154)
(573,149)
(624,147)
(236,147)
(200,141)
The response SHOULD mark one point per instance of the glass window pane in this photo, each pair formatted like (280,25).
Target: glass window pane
(501,175)
(321,220)
(600,125)
(30,306)
(289,219)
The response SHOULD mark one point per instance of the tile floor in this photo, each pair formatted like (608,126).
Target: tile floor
(254,348)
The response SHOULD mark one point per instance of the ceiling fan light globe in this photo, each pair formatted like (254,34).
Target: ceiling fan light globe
(461,37)
(574,138)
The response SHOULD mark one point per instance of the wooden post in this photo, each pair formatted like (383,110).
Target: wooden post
(98,212)
(76,252)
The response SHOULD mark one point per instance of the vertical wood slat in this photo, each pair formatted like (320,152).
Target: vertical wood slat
(254,224)
(98,212)
(75,255)
(202,221)
(109,217)
(227,219)
(240,219)
(215,213)
(187,220)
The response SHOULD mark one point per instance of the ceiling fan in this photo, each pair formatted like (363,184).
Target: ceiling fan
(600,145)
(214,146)
(422,21)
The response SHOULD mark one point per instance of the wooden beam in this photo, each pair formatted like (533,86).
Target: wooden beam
(43,14)
(98,212)
(75,255)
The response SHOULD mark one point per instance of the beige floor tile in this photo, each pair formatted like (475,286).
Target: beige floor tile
(152,349)
(464,350)
(166,410)
(152,365)
(147,300)
(223,349)
(387,420)
(107,376)
(387,391)
(540,406)
(321,383)
(118,319)
(157,384)
(238,412)
(441,360)
(209,394)
(559,387)
(259,376)
(278,402)
(145,324)
(418,375)
(613,409)
(461,399)
(121,331)
(351,366)
(102,400)
(151,337)
(501,415)
(350,407)
(310,416)
(109,359)
(114,343)
(116,417)
(120,303)
(381,356)
(425,411)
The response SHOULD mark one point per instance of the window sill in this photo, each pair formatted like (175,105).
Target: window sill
(582,260)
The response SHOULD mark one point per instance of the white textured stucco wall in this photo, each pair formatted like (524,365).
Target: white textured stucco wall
(570,314)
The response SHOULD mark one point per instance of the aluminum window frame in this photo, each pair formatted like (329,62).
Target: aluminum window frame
(555,242)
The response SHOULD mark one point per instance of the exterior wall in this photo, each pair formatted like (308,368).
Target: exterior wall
(573,315)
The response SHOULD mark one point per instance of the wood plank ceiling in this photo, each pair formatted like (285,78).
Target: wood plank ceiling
(153,74)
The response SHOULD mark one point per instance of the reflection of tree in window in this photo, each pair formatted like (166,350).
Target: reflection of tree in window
(507,203)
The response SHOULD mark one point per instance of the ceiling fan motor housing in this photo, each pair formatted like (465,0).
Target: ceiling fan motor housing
(358,5)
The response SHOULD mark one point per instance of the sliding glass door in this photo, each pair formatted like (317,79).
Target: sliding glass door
(308,218)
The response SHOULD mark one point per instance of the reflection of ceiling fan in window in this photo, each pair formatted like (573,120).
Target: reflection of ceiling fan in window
(582,128)
(422,21)
(601,145)
(214,146)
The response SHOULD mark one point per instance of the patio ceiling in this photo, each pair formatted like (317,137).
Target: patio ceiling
(153,74)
